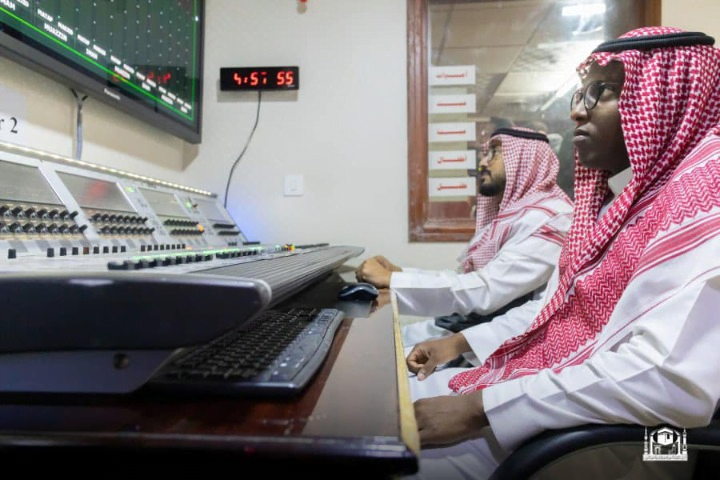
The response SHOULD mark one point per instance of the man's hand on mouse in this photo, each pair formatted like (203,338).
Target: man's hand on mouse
(372,271)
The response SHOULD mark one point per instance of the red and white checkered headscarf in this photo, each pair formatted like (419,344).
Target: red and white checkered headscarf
(531,169)
(669,104)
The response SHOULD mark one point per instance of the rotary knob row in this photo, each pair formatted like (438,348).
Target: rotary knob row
(117,218)
(21,211)
(124,230)
(52,228)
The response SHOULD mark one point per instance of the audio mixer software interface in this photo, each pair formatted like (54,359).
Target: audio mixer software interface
(106,274)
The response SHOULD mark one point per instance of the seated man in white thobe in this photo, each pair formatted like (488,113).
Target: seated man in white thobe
(627,331)
(522,218)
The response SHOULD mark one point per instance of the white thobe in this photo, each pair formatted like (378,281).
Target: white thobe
(664,370)
(523,265)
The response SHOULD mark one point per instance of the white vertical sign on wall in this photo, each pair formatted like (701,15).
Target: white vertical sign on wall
(451,104)
(452,160)
(452,75)
(13,112)
(452,187)
(452,132)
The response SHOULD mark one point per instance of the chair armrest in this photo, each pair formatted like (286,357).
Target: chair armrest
(552,445)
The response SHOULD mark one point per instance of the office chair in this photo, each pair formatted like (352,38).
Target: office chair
(554,445)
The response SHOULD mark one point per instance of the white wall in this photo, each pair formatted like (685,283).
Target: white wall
(345,130)
(693,15)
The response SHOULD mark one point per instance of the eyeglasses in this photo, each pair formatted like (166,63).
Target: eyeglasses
(492,151)
(591,93)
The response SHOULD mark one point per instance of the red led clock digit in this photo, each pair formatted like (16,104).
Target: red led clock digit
(259,78)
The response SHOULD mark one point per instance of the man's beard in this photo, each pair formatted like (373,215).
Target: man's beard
(487,189)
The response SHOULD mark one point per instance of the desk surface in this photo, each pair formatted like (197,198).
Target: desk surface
(355,413)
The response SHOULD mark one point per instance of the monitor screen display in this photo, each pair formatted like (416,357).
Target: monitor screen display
(209,209)
(163,203)
(95,193)
(141,56)
(23,183)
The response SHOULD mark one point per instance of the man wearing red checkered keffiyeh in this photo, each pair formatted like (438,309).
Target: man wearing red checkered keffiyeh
(521,221)
(626,332)
(531,170)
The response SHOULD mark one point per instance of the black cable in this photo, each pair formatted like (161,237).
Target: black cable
(232,169)
(78,141)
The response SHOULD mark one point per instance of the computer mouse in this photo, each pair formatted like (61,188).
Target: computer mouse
(358,291)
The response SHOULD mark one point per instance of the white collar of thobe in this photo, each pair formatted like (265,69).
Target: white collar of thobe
(619,181)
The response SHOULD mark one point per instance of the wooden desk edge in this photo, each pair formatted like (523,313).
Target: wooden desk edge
(408,425)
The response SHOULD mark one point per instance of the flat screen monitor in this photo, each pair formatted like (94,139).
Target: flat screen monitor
(142,56)
(163,203)
(23,183)
(95,193)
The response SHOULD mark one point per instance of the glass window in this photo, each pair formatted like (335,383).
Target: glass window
(476,65)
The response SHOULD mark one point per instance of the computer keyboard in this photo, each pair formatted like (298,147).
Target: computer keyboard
(275,354)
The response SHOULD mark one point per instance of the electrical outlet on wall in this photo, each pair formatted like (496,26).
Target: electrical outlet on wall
(293,185)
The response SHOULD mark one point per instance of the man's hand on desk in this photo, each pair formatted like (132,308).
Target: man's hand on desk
(376,270)
(426,356)
(449,419)
(387,264)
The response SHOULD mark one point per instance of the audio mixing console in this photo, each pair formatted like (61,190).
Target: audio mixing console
(104,273)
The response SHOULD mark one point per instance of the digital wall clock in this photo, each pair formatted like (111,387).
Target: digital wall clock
(259,78)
